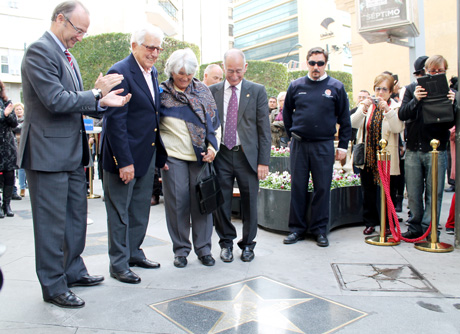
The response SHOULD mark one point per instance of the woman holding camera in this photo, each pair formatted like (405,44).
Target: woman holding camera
(8,152)
(376,119)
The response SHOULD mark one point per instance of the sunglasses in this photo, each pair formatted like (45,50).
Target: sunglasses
(383,89)
(319,63)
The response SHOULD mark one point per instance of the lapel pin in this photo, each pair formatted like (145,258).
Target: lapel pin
(247,95)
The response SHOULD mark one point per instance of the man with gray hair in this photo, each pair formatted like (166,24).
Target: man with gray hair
(212,74)
(131,147)
(54,149)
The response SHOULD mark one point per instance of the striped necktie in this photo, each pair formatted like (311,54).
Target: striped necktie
(232,118)
(69,58)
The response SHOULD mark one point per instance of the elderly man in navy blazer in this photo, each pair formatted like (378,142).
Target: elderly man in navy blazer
(131,147)
(244,153)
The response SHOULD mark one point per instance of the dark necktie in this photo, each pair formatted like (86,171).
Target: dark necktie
(69,58)
(232,118)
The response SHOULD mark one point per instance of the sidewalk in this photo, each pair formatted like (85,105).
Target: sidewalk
(350,287)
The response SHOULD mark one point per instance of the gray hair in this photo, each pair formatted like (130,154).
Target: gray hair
(183,58)
(138,36)
(280,95)
(66,8)
(237,51)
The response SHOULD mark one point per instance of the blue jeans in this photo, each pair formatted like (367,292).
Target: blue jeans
(418,183)
(22,178)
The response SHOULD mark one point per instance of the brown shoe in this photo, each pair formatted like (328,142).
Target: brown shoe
(22,193)
(369,230)
(155,200)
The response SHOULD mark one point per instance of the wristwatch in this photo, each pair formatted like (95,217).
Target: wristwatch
(97,93)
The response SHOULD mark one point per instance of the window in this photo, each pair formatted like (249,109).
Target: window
(4,64)
(262,35)
(169,8)
(272,49)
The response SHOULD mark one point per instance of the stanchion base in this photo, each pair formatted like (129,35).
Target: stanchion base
(377,240)
(434,247)
(92,196)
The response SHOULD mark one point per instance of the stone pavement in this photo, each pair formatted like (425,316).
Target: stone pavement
(349,287)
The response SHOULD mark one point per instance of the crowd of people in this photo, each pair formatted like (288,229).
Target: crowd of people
(175,128)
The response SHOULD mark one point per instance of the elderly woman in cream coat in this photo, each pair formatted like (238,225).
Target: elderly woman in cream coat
(376,119)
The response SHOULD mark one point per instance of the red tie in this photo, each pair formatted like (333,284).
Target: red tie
(69,58)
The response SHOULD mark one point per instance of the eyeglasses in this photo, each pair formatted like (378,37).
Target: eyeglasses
(152,48)
(78,31)
(319,63)
(436,71)
(383,89)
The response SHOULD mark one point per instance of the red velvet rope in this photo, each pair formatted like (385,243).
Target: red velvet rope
(384,172)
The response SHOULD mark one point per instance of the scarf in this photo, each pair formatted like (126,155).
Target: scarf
(374,135)
(200,100)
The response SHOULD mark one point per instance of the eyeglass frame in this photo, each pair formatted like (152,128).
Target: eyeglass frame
(383,89)
(77,30)
(150,47)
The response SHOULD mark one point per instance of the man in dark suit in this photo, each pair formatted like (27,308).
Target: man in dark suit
(54,149)
(244,153)
(130,146)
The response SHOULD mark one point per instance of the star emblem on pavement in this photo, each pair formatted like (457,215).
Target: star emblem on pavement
(249,306)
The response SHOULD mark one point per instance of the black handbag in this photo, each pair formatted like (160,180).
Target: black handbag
(437,110)
(208,191)
(358,149)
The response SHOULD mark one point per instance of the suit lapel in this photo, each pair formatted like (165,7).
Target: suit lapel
(139,78)
(244,99)
(219,98)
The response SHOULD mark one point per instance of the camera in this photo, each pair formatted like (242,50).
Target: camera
(375,100)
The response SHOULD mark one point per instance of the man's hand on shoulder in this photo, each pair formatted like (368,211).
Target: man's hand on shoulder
(106,82)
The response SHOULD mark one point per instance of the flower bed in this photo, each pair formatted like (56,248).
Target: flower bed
(274,200)
(282,181)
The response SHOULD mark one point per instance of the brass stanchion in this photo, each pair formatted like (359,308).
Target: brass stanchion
(433,245)
(91,168)
(382,239)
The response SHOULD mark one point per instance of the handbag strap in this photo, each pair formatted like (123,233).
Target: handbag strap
(203,168)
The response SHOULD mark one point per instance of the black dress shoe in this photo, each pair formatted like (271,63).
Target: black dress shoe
(293,238)
(207,260)
(247,255)
(145,263)
(180,261)
(88,280)
(67,299)
(126,276)
(226,254)
(321,240)
(411,234)
(369,230)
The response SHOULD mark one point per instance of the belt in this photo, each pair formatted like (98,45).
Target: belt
(234,149)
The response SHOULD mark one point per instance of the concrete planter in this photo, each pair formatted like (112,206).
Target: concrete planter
(273,208)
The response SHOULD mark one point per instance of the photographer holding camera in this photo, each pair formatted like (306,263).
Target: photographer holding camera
(376,119)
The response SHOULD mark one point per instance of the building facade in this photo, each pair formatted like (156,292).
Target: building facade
(437,23)
(206,23)
(284,30)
